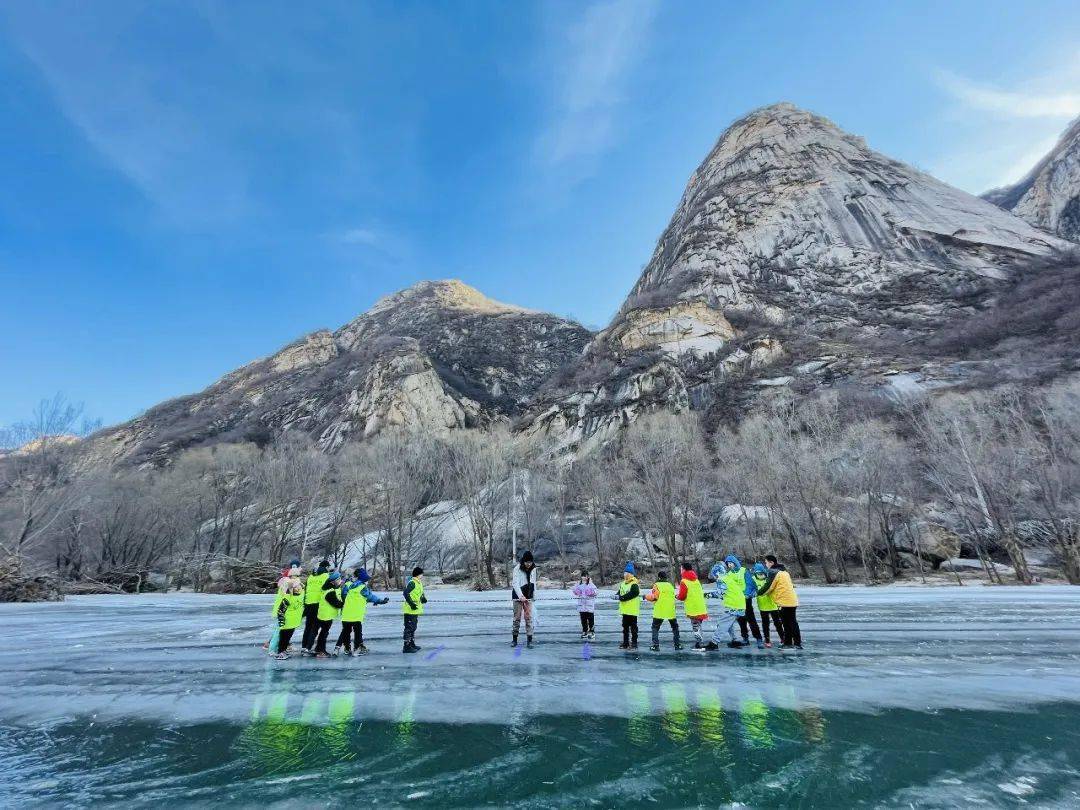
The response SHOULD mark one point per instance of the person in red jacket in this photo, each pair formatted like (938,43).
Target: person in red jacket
(693,599)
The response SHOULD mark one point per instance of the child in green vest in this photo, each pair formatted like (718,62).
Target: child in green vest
(312,596)
(355,597)
(629,596)
(329,609)
(288,611)
(767,607)
(731,588)
(662,597)
(412,608)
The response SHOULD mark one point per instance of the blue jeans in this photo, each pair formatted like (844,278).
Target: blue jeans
(729,619)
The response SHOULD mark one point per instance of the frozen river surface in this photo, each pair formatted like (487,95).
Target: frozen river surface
(903,697)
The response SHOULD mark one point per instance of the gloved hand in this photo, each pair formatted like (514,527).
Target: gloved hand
(385,600)
(423,600)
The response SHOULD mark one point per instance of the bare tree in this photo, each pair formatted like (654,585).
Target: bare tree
(38,478)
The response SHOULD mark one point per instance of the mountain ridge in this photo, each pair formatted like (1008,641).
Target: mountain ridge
(1049,195)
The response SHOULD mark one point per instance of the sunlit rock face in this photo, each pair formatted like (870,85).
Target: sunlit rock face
(795,248)
(1049,196)
(437,356)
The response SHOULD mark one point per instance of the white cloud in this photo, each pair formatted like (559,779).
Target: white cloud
(593,57)
(1010,103)
(1003,130)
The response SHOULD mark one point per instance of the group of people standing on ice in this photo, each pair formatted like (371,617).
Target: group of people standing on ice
(327,595)
(738,588)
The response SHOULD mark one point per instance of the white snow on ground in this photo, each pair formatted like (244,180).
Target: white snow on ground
(867,649)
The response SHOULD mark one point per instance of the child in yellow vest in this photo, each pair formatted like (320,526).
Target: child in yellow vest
(629,596)
(288,611)
(662,597)
(412,608)
(355,597)
(329,609)
(731,588)
(767,607)
(692,596)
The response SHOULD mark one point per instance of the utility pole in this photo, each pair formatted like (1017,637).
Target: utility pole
(513,520)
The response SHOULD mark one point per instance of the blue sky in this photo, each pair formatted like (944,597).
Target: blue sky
(187,186)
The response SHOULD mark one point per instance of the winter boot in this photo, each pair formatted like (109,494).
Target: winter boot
(654,647)
(592,636)
(712,646)
(337,651)
(735,645)
(360,650)
(761,645)
(678,646)
(282,656)
(513,640)
(698,645)
(529,642)
(624,646)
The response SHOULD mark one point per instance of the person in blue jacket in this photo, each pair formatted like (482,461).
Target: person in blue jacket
(353,611)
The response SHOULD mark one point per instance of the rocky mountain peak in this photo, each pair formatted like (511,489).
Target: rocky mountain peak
(796,255)
(449,294)
(1049,195)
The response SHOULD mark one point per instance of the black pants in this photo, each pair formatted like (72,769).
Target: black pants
(791,626)
(588,621)
(411,620)
(774,617)
(324,632)
(629,630)
(356,629)
(283,639)
(656,623)
(311,625)
(749,619)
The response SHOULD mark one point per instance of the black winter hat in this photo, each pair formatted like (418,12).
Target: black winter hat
(526,557)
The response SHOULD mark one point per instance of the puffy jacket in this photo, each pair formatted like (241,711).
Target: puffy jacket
(523,583)
(331,604)
(765,602)
(313,588)
(729,587)
(663,598)
(629,597)
(586,597)
(691,594)
(414,598)
(289,610)
(355,597)
(781,589)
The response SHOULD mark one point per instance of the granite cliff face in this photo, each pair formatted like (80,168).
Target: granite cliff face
(798,258)
(436,356)
(797,255)
(1049,196)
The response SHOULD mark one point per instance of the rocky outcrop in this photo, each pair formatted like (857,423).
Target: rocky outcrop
(797,257)
(436,356)
(1049,195)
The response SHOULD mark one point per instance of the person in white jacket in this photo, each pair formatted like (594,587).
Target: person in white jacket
(522,591)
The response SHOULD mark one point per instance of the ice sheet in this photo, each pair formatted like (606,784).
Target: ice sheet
(188,658)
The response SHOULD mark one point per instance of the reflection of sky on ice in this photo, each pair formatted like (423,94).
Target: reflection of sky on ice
(191,658)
